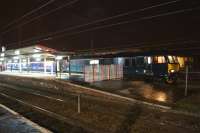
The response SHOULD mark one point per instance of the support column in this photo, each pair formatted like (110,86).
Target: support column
(45,65)
(28,64)
(69,60)
(52,68)
(20,64)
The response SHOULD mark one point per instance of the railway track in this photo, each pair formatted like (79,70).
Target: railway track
(57,108)
(58,112)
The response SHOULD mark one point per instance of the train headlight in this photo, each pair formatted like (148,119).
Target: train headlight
(172,71)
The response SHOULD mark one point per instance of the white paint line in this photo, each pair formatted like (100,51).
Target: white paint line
(34,125)
(49,113)
(34,93)
(121,97)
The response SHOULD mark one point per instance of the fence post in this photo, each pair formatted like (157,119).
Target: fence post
(84,73)
(92,72)
(79,103)
(186,81)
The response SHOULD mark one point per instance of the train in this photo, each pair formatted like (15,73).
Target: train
(165,67)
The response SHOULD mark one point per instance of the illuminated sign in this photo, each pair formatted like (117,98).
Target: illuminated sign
(94,62)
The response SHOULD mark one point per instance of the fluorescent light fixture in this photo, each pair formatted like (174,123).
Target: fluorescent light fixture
(1,59)
(59,57)
(16,57)
(17,52)
(36,50)
(15,61)
(2,54)
(93,62)
(149,60)
(36,55)
(38,59)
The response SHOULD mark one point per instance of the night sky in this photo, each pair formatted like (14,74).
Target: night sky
(179,31)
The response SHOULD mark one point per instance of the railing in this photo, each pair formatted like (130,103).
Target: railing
(94,73)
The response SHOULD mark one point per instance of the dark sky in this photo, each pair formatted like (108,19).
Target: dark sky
(180,31)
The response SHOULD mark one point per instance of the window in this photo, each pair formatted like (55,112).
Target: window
(159,59)
(172,59)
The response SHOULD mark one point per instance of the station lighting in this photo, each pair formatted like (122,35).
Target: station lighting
(149,60)
(36,55)
(59,57)
(15,61)
(3,49)
(24,60)
(1,59)
(17,52)
(2,54)
(38,59)
(94,62)
(16,57)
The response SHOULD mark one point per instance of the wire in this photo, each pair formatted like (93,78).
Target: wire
(144,45)
(29,13)
(37,17)
(119,15)
(131,21)
(105,19)
(115,24)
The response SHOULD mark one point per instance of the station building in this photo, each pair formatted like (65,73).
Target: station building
(36,59)
(40,60)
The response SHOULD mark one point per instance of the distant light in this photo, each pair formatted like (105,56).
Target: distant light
(3,48)
(149,60)
(172,70)
(145,71)
(93,62)
(24,60)
(2,54)
(9,61)
(17,52)
(59,57)
(1,59)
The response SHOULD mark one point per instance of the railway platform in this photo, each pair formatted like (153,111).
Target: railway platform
(12,122)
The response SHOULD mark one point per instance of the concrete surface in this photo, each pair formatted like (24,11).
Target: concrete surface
(12,122)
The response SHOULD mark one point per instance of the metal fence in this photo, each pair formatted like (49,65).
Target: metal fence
(94,73)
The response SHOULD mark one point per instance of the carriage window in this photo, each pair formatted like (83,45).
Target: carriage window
(172,59)
(159,59)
